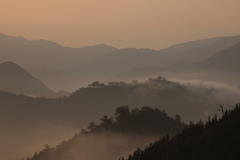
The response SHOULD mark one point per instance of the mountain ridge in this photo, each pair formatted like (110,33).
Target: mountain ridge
(221,67)
(14,78)
(79,66)
(201,49)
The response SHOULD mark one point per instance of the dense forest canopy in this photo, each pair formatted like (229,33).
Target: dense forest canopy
(214,139)
(139,121)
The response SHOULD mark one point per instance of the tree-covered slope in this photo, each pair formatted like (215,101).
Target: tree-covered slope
(125,125)
(34,118)
(139,121)
(216,139)
(192,102)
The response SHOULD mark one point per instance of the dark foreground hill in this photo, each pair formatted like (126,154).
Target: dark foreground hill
(15,79)
(216,139)
(127,126)
(144,121)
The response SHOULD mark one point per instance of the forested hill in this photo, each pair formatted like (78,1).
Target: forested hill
(145,122)
(139,121)
(216,139)
(86,104)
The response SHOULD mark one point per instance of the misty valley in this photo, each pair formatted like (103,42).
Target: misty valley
(104,103)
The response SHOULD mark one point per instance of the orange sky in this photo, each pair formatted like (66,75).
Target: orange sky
(120,23)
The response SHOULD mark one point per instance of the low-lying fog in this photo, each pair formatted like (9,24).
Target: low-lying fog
(227,94)
(20,142)
(16,144)
(104,146)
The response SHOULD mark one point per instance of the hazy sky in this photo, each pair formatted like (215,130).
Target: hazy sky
(120,23)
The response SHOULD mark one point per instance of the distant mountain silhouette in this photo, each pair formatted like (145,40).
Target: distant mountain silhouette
(186,46)
(64,68)
(127,64)
(227,60)
(201,49)
(125,59)
(15,79)
(40,57)
(222,66)
(38,53)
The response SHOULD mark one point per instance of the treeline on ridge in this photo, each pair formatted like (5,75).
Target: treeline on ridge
(215,139)
(98,99)
(143,121)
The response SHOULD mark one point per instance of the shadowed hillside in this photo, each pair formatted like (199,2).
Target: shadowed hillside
(192,102)
(215,139)
(15,79)
(45,120)
(114,136)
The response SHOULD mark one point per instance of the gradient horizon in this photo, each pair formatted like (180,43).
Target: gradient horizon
(137,23)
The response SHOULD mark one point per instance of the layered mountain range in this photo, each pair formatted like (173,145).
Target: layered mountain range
(222,66)
(103,78)
(64,68)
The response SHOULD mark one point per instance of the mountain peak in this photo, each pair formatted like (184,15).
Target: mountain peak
(9,68)
(99,46)
(14,78)
(8,63)
(5,37)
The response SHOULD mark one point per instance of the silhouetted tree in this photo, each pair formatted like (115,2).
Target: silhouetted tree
(122,113)
(96,84)
(178,118)
(216,139)
(91,126)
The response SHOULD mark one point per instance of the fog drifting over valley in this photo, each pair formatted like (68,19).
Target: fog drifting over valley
(97,80)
